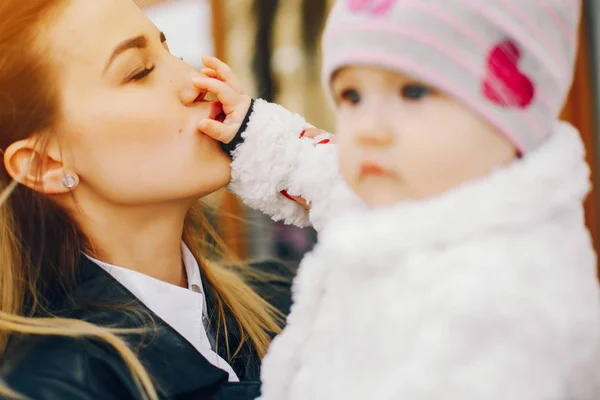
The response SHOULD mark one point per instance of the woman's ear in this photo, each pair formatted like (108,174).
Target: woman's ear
(42,171)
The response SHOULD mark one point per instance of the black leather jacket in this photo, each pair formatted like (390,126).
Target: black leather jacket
(58,368)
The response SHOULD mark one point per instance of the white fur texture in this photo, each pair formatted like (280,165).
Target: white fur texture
(487,292)
(273,158)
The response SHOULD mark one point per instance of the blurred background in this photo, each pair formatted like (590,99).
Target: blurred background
(273,46)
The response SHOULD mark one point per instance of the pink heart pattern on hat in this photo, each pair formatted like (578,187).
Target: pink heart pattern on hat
(506,84)
(374,7)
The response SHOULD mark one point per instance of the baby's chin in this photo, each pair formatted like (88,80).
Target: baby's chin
(380,193)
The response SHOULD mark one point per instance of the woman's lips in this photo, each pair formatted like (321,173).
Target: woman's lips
(216,112)
(200,97)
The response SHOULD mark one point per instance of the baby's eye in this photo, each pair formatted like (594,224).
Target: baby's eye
(351,96)
(415,92)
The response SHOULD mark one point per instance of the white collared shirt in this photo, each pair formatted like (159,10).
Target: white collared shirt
(183,309)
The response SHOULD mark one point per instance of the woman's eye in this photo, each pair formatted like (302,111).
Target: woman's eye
(351,96)
(138,76)
(415,92)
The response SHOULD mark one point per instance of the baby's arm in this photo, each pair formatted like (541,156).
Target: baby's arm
(272,162)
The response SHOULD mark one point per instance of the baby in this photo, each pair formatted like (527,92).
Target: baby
(453,260)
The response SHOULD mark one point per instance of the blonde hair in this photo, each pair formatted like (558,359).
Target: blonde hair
(40,243)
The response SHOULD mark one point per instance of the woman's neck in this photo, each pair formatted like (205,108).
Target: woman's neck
(138,238)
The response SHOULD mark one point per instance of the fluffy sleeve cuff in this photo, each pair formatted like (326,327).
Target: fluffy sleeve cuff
(272,158)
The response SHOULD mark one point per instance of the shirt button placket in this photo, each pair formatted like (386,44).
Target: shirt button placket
(196,288)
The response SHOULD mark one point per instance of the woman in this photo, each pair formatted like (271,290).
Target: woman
(106,291)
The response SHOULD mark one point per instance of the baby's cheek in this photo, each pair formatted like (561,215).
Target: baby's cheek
(348,163)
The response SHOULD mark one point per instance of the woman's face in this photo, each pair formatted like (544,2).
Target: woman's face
(130,110)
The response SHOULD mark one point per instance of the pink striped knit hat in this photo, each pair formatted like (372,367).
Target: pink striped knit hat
(511,61)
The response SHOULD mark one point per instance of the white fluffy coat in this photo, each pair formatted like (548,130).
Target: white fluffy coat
(486,292)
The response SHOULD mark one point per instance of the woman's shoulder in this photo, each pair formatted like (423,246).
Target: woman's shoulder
(52,367)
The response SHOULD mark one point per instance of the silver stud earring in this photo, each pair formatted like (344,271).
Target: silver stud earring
(69,181)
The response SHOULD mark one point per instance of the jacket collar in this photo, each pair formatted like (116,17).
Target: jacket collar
(172,361)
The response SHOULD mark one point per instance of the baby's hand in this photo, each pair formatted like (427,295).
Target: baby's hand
(319,136)
(220,80)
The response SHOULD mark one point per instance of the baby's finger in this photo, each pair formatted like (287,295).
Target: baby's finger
(297,199)
(323,138)
(226,95)
(217,130)
(312,133)
(211,73)
(302,202)
(224,72)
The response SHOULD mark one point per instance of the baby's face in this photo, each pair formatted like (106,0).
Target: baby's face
(400,139)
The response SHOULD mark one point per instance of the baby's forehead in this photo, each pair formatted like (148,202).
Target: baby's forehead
(373,73)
